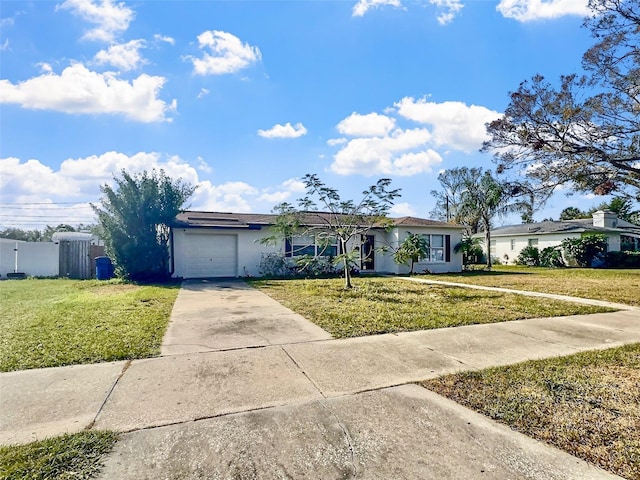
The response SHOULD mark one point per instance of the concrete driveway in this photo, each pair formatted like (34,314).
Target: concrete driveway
(247,389)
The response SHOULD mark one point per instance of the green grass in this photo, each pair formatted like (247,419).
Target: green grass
(69,457)
(621,286)
(47,323)
(382,305)
(587,404)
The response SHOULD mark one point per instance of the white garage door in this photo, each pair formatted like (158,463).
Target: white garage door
(211,255)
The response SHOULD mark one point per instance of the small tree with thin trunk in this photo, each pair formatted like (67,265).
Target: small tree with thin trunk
(324,216)
(413,249)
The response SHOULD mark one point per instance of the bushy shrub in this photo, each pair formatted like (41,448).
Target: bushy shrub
(277,265)
(623,259)
(587,249)
(529,256)
(552,257)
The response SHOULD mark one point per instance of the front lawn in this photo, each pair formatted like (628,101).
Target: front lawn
(47,323)
(78,456)
(621,286)
(382,305)
(587,404)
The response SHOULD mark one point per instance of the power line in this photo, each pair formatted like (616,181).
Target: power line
(46,203)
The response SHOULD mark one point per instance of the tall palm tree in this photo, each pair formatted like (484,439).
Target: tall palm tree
(488,198)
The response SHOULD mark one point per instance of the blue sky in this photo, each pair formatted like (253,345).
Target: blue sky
(244,98)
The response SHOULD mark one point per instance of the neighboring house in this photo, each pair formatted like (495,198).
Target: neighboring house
(208,244)
(507,242)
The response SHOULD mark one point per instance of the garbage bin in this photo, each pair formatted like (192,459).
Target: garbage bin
(104,269)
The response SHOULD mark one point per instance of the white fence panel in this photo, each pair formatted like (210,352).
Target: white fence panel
(37,259)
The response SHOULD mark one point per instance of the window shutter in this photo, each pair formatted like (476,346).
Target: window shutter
(447,248)
(287,247)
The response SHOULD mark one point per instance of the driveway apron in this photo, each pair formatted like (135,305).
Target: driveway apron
(211,315)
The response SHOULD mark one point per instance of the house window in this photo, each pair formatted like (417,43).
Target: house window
(307,245)
(435,248)
(513,244)
(492,247)
(533,242)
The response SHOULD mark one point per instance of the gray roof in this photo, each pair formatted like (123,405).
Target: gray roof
(582,225)
(194,219)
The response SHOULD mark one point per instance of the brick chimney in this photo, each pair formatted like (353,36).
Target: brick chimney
(605,218)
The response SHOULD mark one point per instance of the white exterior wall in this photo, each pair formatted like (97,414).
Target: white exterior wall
(36,259)
(507,255)
(455,265)
(250,250)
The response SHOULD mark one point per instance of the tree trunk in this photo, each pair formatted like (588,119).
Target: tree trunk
(487,240)
(347,269)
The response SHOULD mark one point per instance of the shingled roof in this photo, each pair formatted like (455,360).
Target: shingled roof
(582,225)
(194,219)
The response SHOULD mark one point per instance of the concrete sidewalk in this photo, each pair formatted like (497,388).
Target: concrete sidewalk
(282,398)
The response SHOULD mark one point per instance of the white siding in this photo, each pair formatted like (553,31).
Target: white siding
(399,234)
(249,251)
(507,255)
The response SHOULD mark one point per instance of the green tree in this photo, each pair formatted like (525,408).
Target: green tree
(19,234)
(413,249)
(585,131)
(48,232)
(585,249)
(622,207)
(453,183)
(487,198)
(470,248)
(135,216)
(573,213)
(324,216)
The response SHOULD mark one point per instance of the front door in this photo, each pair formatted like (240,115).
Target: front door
(367,261)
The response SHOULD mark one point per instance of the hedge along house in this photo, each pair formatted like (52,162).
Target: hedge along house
(507,242)
(209,245)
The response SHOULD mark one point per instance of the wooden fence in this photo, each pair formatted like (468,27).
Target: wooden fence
(77,259)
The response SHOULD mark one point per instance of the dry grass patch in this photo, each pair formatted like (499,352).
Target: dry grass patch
(621,286)
(382,305)
(587,404)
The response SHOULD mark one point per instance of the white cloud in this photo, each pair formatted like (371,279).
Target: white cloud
(4,46)
(79,90)
(363,6)
(294,185)
(448,10)
(283,192)
(45,67)
(79,179)
(203,166)
(275,197)
(109,18)
(332,142)
(223,53)
(402,210)
(455,124)
(284,131)
(529,10)
(203,93)
(125,56)
(370,125)
(163,38)
(404,152)
(227,197)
